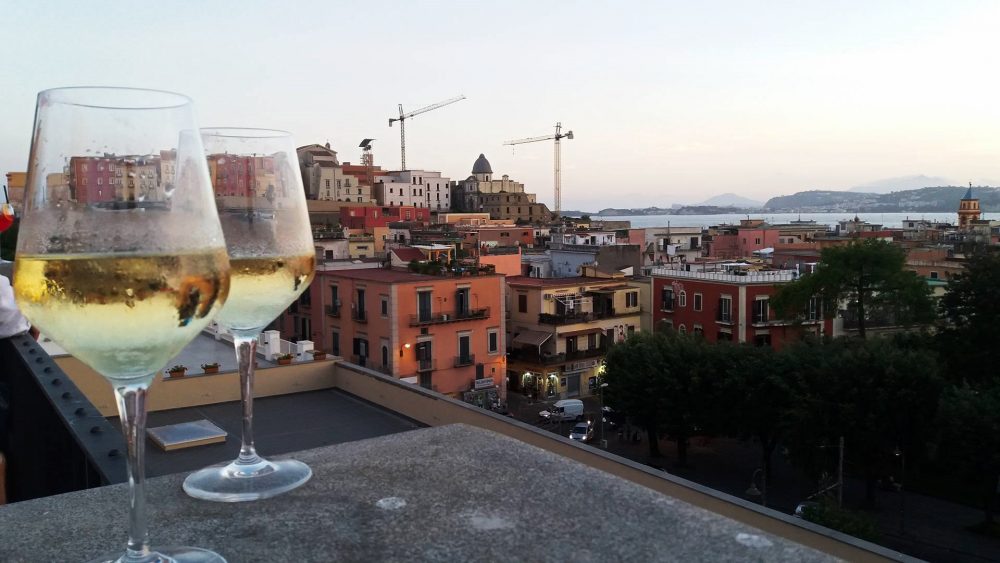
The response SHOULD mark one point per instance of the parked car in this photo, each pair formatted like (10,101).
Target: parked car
(583,431)
(566,409)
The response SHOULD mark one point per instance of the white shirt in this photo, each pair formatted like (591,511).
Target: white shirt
(11,320)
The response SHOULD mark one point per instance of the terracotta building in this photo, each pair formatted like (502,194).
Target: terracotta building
(728,306)
(442,332)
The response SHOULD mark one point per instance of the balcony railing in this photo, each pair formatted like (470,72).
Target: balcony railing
(359,315)
(565,318)
(426,365)
(466,360)
(587,353)
(532,356)
(451,317)
(333,310)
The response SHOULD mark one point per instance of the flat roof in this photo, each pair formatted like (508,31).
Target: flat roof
(282,424)
(392,276)
(559,282)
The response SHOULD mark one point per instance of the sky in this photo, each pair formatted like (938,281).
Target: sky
(670,102)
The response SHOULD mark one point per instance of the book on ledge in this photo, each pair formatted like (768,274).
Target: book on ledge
(186,435)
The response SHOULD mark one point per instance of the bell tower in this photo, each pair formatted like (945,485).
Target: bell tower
(968,210)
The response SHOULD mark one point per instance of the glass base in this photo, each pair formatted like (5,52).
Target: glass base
(171,554)
(240,482)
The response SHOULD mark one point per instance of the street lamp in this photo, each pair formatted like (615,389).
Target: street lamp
(604,441)
(899,488)
(753,491)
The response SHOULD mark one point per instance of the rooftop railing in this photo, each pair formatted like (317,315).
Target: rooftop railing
(771,276)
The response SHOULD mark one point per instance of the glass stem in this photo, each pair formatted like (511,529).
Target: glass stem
(246,353)
(132,411)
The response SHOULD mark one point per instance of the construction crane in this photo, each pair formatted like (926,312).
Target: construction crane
(402,124)
(557,166)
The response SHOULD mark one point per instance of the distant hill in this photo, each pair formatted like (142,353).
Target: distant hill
(899,184)
(730,200)
(936,199)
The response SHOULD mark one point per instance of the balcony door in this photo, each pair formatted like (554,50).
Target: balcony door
(463,348)
(462,303)
(424,306)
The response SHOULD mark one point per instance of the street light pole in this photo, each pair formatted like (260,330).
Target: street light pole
(604,442)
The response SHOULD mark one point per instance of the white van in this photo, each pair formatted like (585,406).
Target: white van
(566,409)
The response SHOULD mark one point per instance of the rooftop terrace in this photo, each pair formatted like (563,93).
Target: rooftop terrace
(473,486)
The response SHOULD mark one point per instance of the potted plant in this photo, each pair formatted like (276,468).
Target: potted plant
(284,359)
(177,371)
(210,368)
(319,355)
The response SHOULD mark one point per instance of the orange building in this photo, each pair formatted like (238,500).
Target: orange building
(443,332)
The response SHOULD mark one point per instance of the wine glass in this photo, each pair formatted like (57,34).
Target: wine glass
(121,258)
(262,208)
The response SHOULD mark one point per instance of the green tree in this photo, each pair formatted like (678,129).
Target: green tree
(868,274)
(970,439)
(759,391)
(879,394)
(660,380)
(968,340)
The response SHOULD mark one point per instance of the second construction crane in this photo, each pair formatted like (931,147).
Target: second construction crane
(402,124)
(557,165)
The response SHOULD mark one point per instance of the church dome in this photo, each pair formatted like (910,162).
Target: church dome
(482,166)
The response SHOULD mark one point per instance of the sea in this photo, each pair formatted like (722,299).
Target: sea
(884,219)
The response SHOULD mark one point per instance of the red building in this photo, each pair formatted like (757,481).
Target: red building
(93,179)
(729,306)
(368,218)
(240,176)
(365,174)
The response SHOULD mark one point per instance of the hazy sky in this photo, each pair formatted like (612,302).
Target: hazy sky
(670,102)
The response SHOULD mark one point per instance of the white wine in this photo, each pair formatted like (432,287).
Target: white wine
(262,287)
(123,315)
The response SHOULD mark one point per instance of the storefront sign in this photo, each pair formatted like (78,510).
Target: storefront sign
(484,383)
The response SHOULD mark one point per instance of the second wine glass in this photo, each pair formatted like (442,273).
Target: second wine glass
(262,208)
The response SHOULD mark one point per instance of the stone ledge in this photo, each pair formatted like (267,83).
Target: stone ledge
(450,493)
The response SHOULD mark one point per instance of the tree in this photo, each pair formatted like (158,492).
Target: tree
(759,391)
(879,394)
(663,381)
(970,430)
(969,339)
(868,274)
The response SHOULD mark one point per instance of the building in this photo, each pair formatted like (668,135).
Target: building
(368,218)
(325,179)
(731,304)
(968,210)
(418,188)
(667,245)
(16,182)
(560,330)
(503,199)
(442,332)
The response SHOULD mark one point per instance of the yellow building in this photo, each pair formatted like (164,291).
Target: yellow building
(15,187)
(560,329)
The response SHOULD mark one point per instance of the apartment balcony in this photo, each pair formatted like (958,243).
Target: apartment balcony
(532,356)
(359,316)
(57,441)
(451,317)
(333,311)
(564,318)
(426,365)
(467,360)
(595,352)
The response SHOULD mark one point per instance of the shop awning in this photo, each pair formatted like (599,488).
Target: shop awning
(532,337)
(581,332)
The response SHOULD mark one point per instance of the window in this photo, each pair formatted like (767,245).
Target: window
(697,301)
(522,303)
(698,330)
(591,341)
(424,305)
(682,329)
(724,336)
(682,299)
(812,309)
(464,353)
(756,241)
(462,302)
(762,340)
(667,296)
(339,184)
(760,310)
(335,343)
(328,184)
(632,299)
(725,309)
(934,275)
(385,307)
(493,341)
